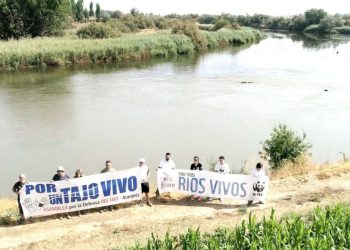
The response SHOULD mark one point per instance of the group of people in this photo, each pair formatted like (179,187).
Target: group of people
(167,163)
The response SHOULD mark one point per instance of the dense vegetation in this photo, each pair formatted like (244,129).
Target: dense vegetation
(284,146)
(327,228)
(28,53)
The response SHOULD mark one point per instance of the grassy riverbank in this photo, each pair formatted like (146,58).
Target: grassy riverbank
(324,228)
(44,52)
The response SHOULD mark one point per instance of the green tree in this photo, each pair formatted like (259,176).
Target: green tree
(284,145)
(117,14)
(98,12)
(79,14)
(330,22)
(91,12)
(73,9)
(11,20)
(134,11)
(86,14)
(314,16)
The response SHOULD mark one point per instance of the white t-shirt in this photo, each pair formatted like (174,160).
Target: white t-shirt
(167,164)
(144,173)
(258,173)
(222,169)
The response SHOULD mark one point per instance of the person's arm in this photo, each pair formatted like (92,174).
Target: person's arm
(15,188)
(200,167)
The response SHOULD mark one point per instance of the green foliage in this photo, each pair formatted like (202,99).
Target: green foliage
(86,15)
(79,14)
(191,30)
(207,19)
(98,12)
(327,228)
(284,145)
(97,31)
(16,17)
(314,16)
(220,24)
(91,11)
(314,28)
(117,14)
(328,23)
(345,30)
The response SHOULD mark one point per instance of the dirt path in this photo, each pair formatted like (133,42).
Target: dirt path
(134,223)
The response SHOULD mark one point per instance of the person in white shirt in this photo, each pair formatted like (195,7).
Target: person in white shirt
(166,164)
(257,172)
(144,173)
(221,167)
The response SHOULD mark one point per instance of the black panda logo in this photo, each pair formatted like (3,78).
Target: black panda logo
(259,186)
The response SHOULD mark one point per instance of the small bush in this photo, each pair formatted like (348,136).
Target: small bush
(284,146)
(314,28)
(345,30)
(221,23)
(97,31)
(192,31)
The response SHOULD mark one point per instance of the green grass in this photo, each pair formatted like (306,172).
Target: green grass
(324,228)
(43,52)
(345,30)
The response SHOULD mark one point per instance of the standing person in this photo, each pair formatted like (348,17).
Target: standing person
(196,165)
(79,174)
(144,172)
(60,176)
(108,168)
(16,188)
(257,172)
(166,164)
(221,167)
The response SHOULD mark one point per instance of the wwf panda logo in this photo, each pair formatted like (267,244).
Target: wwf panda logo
(259,186)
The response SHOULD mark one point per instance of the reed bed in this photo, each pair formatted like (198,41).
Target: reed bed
(45,51)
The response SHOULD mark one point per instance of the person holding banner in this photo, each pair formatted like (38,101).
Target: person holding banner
(108,168)
(257,172)
(144,173)
(79,174)
(166,164)
(196,165)
(221,167)
(16,188)
(60,176)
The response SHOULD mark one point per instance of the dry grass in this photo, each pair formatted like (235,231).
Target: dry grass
(306,166)
(9,214)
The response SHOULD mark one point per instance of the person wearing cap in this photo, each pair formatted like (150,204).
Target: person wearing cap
(166,164)
(16,189)
(108,167)
(257,172)
(144,173)
(61,175)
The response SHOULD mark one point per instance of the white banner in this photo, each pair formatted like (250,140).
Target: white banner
(212,184)
(47,198)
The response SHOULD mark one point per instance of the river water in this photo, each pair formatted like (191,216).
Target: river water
(198,105)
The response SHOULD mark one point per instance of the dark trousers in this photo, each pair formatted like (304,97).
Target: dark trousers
(20,207)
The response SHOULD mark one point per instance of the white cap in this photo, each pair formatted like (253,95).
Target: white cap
(142,160)
(60,168)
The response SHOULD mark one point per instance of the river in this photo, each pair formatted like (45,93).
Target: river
(221,103)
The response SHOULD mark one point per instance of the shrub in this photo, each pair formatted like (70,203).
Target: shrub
(345,30)
(220,24)
(192,31)
(314,28)
(97,31)
(284,145)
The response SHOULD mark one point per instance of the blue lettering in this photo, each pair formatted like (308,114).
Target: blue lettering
(85,193)
(194,185)
(122,185)
(93,191)
(114,186)
(106,187)
(243,189)
(40,188)
(213,187)
(55,199)
(65,192)
(226,188)
(132,183)
(201,185)
(182,181)
(29,188)
(75,196)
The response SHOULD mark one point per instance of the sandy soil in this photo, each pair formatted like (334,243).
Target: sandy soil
(131,223)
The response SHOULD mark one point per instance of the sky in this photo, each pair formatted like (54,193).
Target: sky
(269,7)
